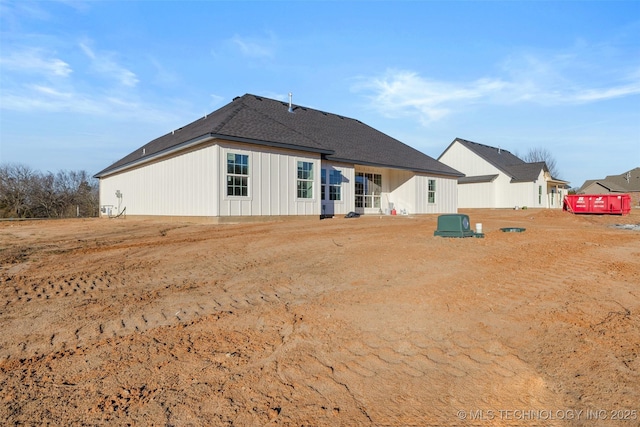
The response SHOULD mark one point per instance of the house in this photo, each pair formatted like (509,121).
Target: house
(495,178)
(262,157)
(626,182)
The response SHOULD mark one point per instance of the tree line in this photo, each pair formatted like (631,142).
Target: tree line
(27,193)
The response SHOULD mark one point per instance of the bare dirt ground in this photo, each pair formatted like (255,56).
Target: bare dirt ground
(352,322)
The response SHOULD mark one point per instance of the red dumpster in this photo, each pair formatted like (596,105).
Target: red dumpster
(612,204)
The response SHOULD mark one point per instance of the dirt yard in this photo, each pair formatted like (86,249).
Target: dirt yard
(368,321)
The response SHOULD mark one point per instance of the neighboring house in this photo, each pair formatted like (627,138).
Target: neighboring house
(627,182)
(262,157)
(495,178)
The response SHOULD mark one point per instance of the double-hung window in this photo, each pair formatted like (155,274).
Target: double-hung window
(237,175)
(431,192)
(305,180)
(335,184)
(539,194)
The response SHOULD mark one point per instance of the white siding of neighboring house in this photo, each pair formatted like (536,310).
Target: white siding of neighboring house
(554,201)
(477,195)
(521,194)
(509,194)
(461,158)
(501,192)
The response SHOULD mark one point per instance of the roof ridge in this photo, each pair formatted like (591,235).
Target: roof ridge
(294,106)
(234,112)
(485,145)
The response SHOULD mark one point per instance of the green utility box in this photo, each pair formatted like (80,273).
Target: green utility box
(455,225)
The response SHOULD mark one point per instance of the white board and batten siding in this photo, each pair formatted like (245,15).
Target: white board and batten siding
(461,158)
(273,175)
(446,194)
(477,195)
(180,186)
(193,183)
(500,192)
(521,194)
(409,192)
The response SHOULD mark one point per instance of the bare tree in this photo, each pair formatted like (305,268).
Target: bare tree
(79,191)
(16,182)
(45,201)
(542,155)
(25,193)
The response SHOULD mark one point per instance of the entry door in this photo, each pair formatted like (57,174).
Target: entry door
(331,192)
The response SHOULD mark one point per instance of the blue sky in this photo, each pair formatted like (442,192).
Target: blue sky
(83,83)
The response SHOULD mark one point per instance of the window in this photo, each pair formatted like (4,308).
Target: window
(335,184)
(237,175)
(305,180)
(539,194)
(431,194)
(368,190)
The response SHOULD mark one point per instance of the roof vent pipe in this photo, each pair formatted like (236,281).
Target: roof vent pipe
(290,105)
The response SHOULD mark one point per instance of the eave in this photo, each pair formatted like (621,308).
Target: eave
(201,140)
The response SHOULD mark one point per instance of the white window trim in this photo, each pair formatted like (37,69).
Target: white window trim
(314,181)
(339,185)
(435,192)
(249,154)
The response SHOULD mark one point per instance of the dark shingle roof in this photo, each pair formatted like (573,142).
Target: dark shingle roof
(476,179)
(633,183)
(264,121)
(612,186)
(526,172)
(625,182)
(516,168)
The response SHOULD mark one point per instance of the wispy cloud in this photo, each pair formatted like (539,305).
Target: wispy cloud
(568,78)
(163,76)
(35,61)
(33,98)
(579,74)
(401,93)
(105,64)
(36,80)
(593,95)
(49,91)
(253,47)
(406,93)
(12,12)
